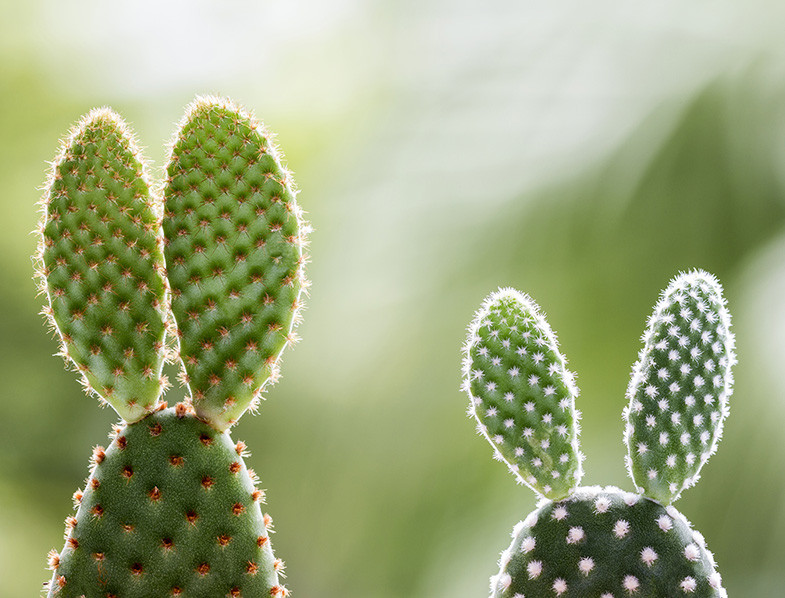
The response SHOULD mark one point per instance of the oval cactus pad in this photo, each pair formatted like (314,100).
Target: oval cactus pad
(101,263)
(679,387)
(522,394)
(234,252)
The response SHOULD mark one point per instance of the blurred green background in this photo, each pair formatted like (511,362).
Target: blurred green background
(583,152)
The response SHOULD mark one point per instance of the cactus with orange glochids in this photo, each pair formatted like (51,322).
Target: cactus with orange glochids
(206,268)
(597,541)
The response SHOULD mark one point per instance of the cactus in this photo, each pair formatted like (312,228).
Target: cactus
(594,541)
(212,264)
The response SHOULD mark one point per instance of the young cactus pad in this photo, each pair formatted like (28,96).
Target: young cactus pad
(169,508)
(605,542)
(679,387)
(522,394)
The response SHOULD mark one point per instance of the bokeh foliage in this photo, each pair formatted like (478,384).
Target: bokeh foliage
(377,484)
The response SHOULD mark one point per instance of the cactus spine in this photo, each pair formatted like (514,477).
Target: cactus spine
(593,541)
(216,257)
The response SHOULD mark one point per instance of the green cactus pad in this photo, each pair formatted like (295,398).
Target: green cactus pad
(101,262)
(679,388)
(234,250)
(606,543)
(522,394)
(169,510)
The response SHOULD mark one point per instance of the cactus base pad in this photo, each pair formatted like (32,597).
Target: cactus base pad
(606,543)
(169,509)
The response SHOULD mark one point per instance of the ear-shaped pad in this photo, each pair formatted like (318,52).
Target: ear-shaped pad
(679,387)
(234,253)
(101,263)
(522,394)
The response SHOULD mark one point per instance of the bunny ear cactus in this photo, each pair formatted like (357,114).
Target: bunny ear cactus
(170,508)
(595,541)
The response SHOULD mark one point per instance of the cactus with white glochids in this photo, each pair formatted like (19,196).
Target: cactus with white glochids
(603,542)
(207,268)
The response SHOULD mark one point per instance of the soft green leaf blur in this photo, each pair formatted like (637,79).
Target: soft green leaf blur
(584,152)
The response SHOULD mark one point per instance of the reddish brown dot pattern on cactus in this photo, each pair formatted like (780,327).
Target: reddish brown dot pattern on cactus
(192,512)
(100,261)
(235,249)
(169,486)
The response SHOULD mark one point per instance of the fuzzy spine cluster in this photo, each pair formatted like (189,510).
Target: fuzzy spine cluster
(605,542)
(170,507)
